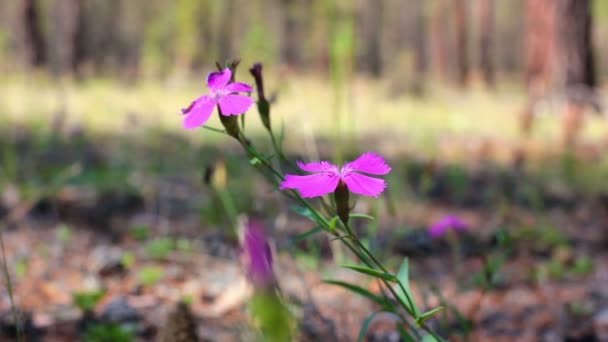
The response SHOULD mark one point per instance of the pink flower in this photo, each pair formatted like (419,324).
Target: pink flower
(257,254)
(327,176)
(222,94)
(441,227)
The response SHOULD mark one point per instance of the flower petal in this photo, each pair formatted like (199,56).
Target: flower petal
(312,185)
(198,113)
(235,104)
(369,163)
(258,254)
(219,79)
(364,185)
(437,230)
(236,87)
(320,166)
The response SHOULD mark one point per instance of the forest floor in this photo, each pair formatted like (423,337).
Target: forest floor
(107,222)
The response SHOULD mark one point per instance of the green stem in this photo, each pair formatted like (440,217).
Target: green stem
(358,249)
(9,289)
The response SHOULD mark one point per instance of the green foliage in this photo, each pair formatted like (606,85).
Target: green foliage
(256,46)
(583,265)
(184,245)
(128,260)
(159,248)
(21,266)
(271,316)
(64,234)
(365,326)
(108,333)
(86,301)
(383,302)
(139,232)
(372,272)
(150,275)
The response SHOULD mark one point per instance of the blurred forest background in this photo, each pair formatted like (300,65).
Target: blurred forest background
(412,41)
(491,111)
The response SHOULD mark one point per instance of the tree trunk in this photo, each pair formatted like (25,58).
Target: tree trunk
(66,16)
(576,60)
(486,41)
(438,39)
(290,47)
(33,47)
(226,32)
(420,49)
(372,22)
(462,41)
(540,51)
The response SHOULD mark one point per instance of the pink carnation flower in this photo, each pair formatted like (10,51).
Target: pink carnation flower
(327,176)
(448,222)
(257,254)
(223,95)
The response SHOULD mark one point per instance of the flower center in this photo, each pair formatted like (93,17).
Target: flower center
(217,94)
(345,170)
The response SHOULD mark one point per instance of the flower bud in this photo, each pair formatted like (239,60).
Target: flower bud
(341,198)
(263,104)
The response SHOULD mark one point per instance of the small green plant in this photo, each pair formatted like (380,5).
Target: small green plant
(108,333)
(159,248)
(139,232)
(184,245)
(583,265)
(128,260)
(21,266)
(64,234)
(86,301)
(150,275)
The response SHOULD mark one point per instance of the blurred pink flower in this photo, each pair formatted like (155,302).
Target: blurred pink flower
(223,95)
(327,176)
(441,227)
(257,254)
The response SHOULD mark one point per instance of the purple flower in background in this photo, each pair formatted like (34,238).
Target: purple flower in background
(257,254)
(327,176)
(441,227)
(223,94)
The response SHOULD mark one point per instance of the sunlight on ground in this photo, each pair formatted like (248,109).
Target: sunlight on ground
(306,105)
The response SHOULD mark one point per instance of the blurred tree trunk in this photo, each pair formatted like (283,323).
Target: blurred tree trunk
(419,47)
(32,39)
(438,38)
(539,52)
(576,60)
(290,47)
(372,21)
(462,41)
(226,31)
(66,16)
(486,41)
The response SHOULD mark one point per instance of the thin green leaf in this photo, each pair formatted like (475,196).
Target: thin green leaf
(404,292)
(426,315)
(365,327)
(255,160)
(306,235)
(213,129)
(430,338)
(303,211)
(406,336)
(360,291)
(374,273)
(362,216)
(333,223)
(282,134)
(341,237)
